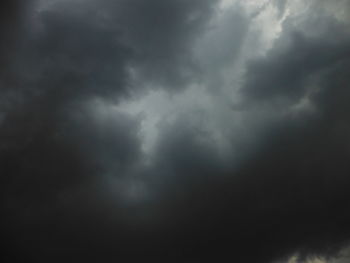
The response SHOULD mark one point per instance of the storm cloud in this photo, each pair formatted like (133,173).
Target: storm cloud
(175,131)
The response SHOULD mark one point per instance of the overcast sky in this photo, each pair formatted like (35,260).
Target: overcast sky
(175,131)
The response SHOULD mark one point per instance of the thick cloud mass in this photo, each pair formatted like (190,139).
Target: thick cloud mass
(174,131)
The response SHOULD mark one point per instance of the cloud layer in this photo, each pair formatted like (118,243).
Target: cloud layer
(174,130)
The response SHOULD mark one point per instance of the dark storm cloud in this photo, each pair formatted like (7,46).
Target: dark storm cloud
(294,59)
(74,184)
(74,52)
(11,24)
(160,34)
(86,48)
(163,34)
(65,59)
(108,141)
(291,194)
(54,62)
(11,12)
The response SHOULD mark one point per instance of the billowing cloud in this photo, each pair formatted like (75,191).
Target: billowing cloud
(174,130)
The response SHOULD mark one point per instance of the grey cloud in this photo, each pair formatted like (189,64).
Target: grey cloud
(163,34)
(281,5)
(295,58)
(106,139)
(72,54)
(68,156)
(220,47)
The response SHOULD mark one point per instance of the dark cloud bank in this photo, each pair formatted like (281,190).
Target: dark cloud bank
(65,161)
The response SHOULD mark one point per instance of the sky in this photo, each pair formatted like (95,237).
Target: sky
(175,131)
